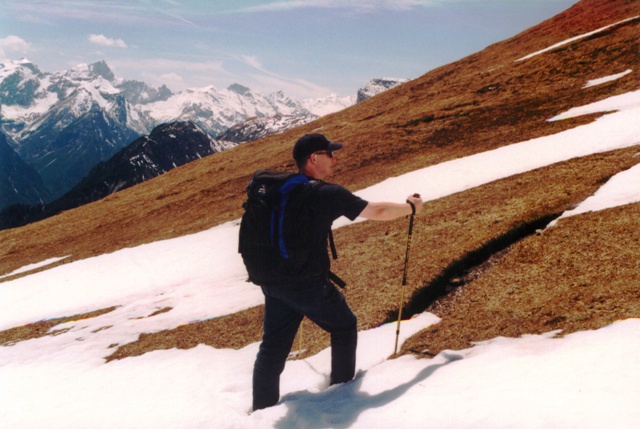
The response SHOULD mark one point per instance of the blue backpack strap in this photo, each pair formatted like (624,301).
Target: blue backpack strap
(285,189)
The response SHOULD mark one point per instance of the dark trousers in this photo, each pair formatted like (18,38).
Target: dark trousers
(284,310)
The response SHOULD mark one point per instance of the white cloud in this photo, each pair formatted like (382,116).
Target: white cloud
(14,45)
(274,82)
(102,40)
(171,80)
(253,62)
(296,87)
(163,66)
(172,77)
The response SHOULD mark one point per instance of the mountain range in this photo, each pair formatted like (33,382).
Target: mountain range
(62,124)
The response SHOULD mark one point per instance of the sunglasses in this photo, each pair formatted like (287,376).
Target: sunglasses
(329,153)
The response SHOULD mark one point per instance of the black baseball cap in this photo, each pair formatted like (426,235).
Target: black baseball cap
(310,143)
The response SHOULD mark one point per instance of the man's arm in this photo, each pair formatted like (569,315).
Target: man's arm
(390,211)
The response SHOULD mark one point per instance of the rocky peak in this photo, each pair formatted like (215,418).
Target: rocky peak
(101,68)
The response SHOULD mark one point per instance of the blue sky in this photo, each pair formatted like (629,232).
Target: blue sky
(307,48)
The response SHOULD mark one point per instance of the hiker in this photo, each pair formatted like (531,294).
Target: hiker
(316,298)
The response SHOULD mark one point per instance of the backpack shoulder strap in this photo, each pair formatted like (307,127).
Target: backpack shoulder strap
(315,183)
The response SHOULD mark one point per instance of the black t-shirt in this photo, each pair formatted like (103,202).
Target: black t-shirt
(330,202)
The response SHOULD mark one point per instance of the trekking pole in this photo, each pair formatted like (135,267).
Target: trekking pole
(404,275)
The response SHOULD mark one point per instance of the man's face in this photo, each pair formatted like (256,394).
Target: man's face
(325,162)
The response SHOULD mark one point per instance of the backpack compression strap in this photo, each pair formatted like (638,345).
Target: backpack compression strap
(332,276)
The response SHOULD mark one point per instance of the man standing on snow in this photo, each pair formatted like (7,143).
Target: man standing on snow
(318,299)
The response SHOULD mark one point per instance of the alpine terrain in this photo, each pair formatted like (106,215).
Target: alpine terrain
(493,261)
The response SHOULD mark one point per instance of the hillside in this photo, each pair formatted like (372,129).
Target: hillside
(580,275)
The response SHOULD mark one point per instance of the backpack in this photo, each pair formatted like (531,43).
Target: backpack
(274,240)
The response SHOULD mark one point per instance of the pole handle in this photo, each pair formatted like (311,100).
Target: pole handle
(413,206)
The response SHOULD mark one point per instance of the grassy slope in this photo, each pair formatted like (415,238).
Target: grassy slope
(573,277)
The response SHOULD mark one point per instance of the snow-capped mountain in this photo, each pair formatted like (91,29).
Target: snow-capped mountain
(259,127)
(216,110)
(75,134)
(377,86)
(64,123)
(27,94)
(326,105)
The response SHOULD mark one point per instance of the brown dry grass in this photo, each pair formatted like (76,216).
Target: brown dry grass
(543,283)
(476,104)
